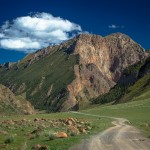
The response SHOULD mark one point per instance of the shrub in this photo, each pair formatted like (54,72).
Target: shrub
(72,134)
(51,136)
(9,140)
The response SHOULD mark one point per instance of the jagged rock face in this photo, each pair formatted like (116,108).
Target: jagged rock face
(102,61)
(110,54)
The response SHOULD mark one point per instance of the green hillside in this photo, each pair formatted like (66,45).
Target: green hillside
(44,80)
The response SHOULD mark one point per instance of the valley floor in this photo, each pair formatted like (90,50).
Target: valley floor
(24,132)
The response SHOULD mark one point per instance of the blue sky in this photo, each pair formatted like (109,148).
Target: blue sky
(23,32)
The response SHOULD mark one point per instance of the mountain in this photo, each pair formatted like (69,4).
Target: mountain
(10,104)
(67,76)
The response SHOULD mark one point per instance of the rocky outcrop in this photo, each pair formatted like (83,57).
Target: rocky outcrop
(102,61)
(8,65)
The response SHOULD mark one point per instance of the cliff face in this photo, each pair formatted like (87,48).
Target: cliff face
(102,61)
(67,76)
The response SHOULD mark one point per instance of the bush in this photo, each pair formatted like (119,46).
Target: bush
(9,140)
(51,136)
(72,134)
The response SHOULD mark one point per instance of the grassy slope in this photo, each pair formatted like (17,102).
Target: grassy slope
(54,71)
(140,87)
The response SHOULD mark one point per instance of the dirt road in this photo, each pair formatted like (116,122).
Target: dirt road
(119,137)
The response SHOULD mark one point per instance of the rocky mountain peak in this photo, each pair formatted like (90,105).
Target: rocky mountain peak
(109,53)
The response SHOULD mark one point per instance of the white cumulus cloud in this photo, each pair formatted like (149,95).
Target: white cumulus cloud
(25,44)
(29,33)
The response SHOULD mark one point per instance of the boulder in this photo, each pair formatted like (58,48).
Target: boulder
(61,135)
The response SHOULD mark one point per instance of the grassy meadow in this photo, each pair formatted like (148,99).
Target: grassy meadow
(20,133)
